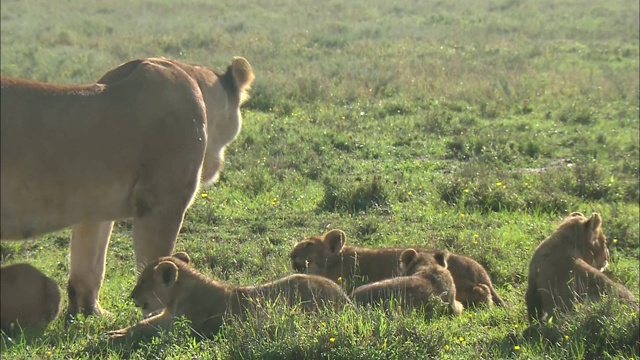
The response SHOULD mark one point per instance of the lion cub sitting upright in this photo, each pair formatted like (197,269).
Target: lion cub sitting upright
(329,256)
(566,268)
(172,285)
(28,298)
(424,276)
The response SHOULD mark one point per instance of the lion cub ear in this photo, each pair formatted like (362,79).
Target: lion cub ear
(335,239)
(181,255)
(594,223)
(166,273)
(576,214)
(407,257)
(441,258)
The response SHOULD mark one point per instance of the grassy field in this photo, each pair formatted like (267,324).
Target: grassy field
(474,126)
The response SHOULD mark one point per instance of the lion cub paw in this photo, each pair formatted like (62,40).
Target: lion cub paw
(119,334)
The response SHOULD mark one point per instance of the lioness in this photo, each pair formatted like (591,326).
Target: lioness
(424,276)
(566,268)
(328,256)
(28,298)
(172,285)
(135,144)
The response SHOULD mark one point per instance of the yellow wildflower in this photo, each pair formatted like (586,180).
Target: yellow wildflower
(332,339)
(517,347)
(446,348)
(498,183)
(204,195)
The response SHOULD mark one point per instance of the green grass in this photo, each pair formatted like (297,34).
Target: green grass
(469,125)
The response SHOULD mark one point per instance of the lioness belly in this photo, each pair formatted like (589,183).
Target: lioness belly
(29,213)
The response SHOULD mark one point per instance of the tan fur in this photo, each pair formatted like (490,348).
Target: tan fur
(424,277)
(329,256)
(175,287)
(566,268)
(135,144)
(28,298)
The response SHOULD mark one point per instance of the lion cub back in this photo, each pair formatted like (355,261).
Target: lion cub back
(425,279)
(311,292)
(29,299)
(171,284)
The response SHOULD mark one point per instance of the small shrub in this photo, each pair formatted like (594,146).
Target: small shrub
(354,196)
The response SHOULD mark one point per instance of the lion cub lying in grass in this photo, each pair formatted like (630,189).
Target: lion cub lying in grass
(328,256)
(424,276)
(566,268)
(172,285)
(28,298)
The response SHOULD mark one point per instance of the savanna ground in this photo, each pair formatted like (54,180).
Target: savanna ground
(468,125)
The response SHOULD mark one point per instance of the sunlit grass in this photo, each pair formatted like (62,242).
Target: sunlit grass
(472,126)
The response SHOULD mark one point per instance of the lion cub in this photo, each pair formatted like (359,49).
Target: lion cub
(28,298)
(424,276)
(328,256)
(566,268)
(172,285)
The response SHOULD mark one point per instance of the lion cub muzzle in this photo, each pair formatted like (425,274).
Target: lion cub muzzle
(143,305)
(299,266)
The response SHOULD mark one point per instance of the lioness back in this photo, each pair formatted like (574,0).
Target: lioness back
(329,256)
(29,299)
(566,268)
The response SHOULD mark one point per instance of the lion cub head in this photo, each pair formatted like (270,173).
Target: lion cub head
(28,298)
(412,262)
(156,284)
(314,254)
(584,239)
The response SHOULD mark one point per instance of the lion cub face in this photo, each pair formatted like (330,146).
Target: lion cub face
(153,289)
(313,254)
(412,262)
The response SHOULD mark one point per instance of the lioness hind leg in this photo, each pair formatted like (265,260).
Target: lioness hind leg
(88,251)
